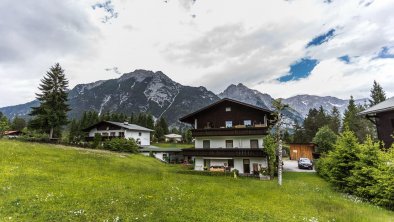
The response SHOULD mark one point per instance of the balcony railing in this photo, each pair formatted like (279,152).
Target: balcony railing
(225,152)
(103,138)
(229,131)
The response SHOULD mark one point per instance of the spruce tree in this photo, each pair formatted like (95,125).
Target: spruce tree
(350,116)
(18,124)
(52,112)
(335,120)
(150,123)
(356,123)
(344,158)
(377,94)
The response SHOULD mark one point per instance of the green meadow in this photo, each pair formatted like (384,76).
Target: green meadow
(41,182)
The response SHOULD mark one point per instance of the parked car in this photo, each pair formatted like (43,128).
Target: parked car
(305,163)
(216,168)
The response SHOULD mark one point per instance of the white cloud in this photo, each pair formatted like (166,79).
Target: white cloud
(210,43)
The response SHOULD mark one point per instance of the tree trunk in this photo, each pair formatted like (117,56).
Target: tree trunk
(280,163)
(51,133)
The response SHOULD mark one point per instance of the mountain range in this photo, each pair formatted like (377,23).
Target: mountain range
(156,93)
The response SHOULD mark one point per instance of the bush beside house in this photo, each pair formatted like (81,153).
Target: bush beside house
(363,169)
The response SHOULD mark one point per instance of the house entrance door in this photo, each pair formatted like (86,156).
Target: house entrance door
(246,166)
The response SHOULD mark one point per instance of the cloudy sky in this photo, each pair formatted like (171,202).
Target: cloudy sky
(284,48)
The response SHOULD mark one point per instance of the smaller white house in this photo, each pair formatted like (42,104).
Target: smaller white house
(173,137)
(169,155)
(109,129)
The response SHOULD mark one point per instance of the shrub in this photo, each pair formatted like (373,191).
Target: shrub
(270,147)
(96,140)
(343,159)
(383,189)
(365,168)
(264,171)
(360,169)
(325,139)
(121,144)
(235,172)
(323,166)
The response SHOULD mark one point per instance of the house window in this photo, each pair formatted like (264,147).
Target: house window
(104,134)
(229,144)
(112,133)
(228,109)
(254,144)
(139,133)
(231,163)
(247,122)
(121,134)
(229,124)
(206,144)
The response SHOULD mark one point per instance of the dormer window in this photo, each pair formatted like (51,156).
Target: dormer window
(229,124)
(228,109)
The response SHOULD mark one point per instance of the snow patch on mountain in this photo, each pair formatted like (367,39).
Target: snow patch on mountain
(105,101)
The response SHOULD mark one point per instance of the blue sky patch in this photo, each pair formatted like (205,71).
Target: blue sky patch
(321,38)
(385,53)
(300,69)
(345,59)
(108,8)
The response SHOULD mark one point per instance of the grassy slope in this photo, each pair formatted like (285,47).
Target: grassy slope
(55,183)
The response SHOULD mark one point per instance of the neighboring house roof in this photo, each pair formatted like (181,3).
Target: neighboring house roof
(11,132)
(128,126)
(220,101)
(173,136)
(157,149)
(384,106)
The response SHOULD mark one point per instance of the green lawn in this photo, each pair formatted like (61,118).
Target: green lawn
(55,183)
(173,145)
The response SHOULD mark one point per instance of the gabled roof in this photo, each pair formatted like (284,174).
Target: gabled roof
(128,126)
(384,106)
(223,100)
(10,132)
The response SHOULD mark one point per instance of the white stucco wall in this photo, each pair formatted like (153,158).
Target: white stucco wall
(220,142)
(94,131)
(239,165)
(199,163)
(238,162)
(158,155)
(144,138)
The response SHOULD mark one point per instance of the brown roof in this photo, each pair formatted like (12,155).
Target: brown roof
(183,119)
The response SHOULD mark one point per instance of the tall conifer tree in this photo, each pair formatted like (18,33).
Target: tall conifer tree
(52,112)
(377,94)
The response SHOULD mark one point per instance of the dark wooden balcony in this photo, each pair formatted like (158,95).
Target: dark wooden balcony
(230,131)
(225,152)
(103,138)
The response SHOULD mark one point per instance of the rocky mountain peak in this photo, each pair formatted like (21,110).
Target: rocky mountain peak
(140,75)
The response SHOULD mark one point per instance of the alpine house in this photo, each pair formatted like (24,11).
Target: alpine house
(229,135)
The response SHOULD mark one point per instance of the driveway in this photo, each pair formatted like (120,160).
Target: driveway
(292,166)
